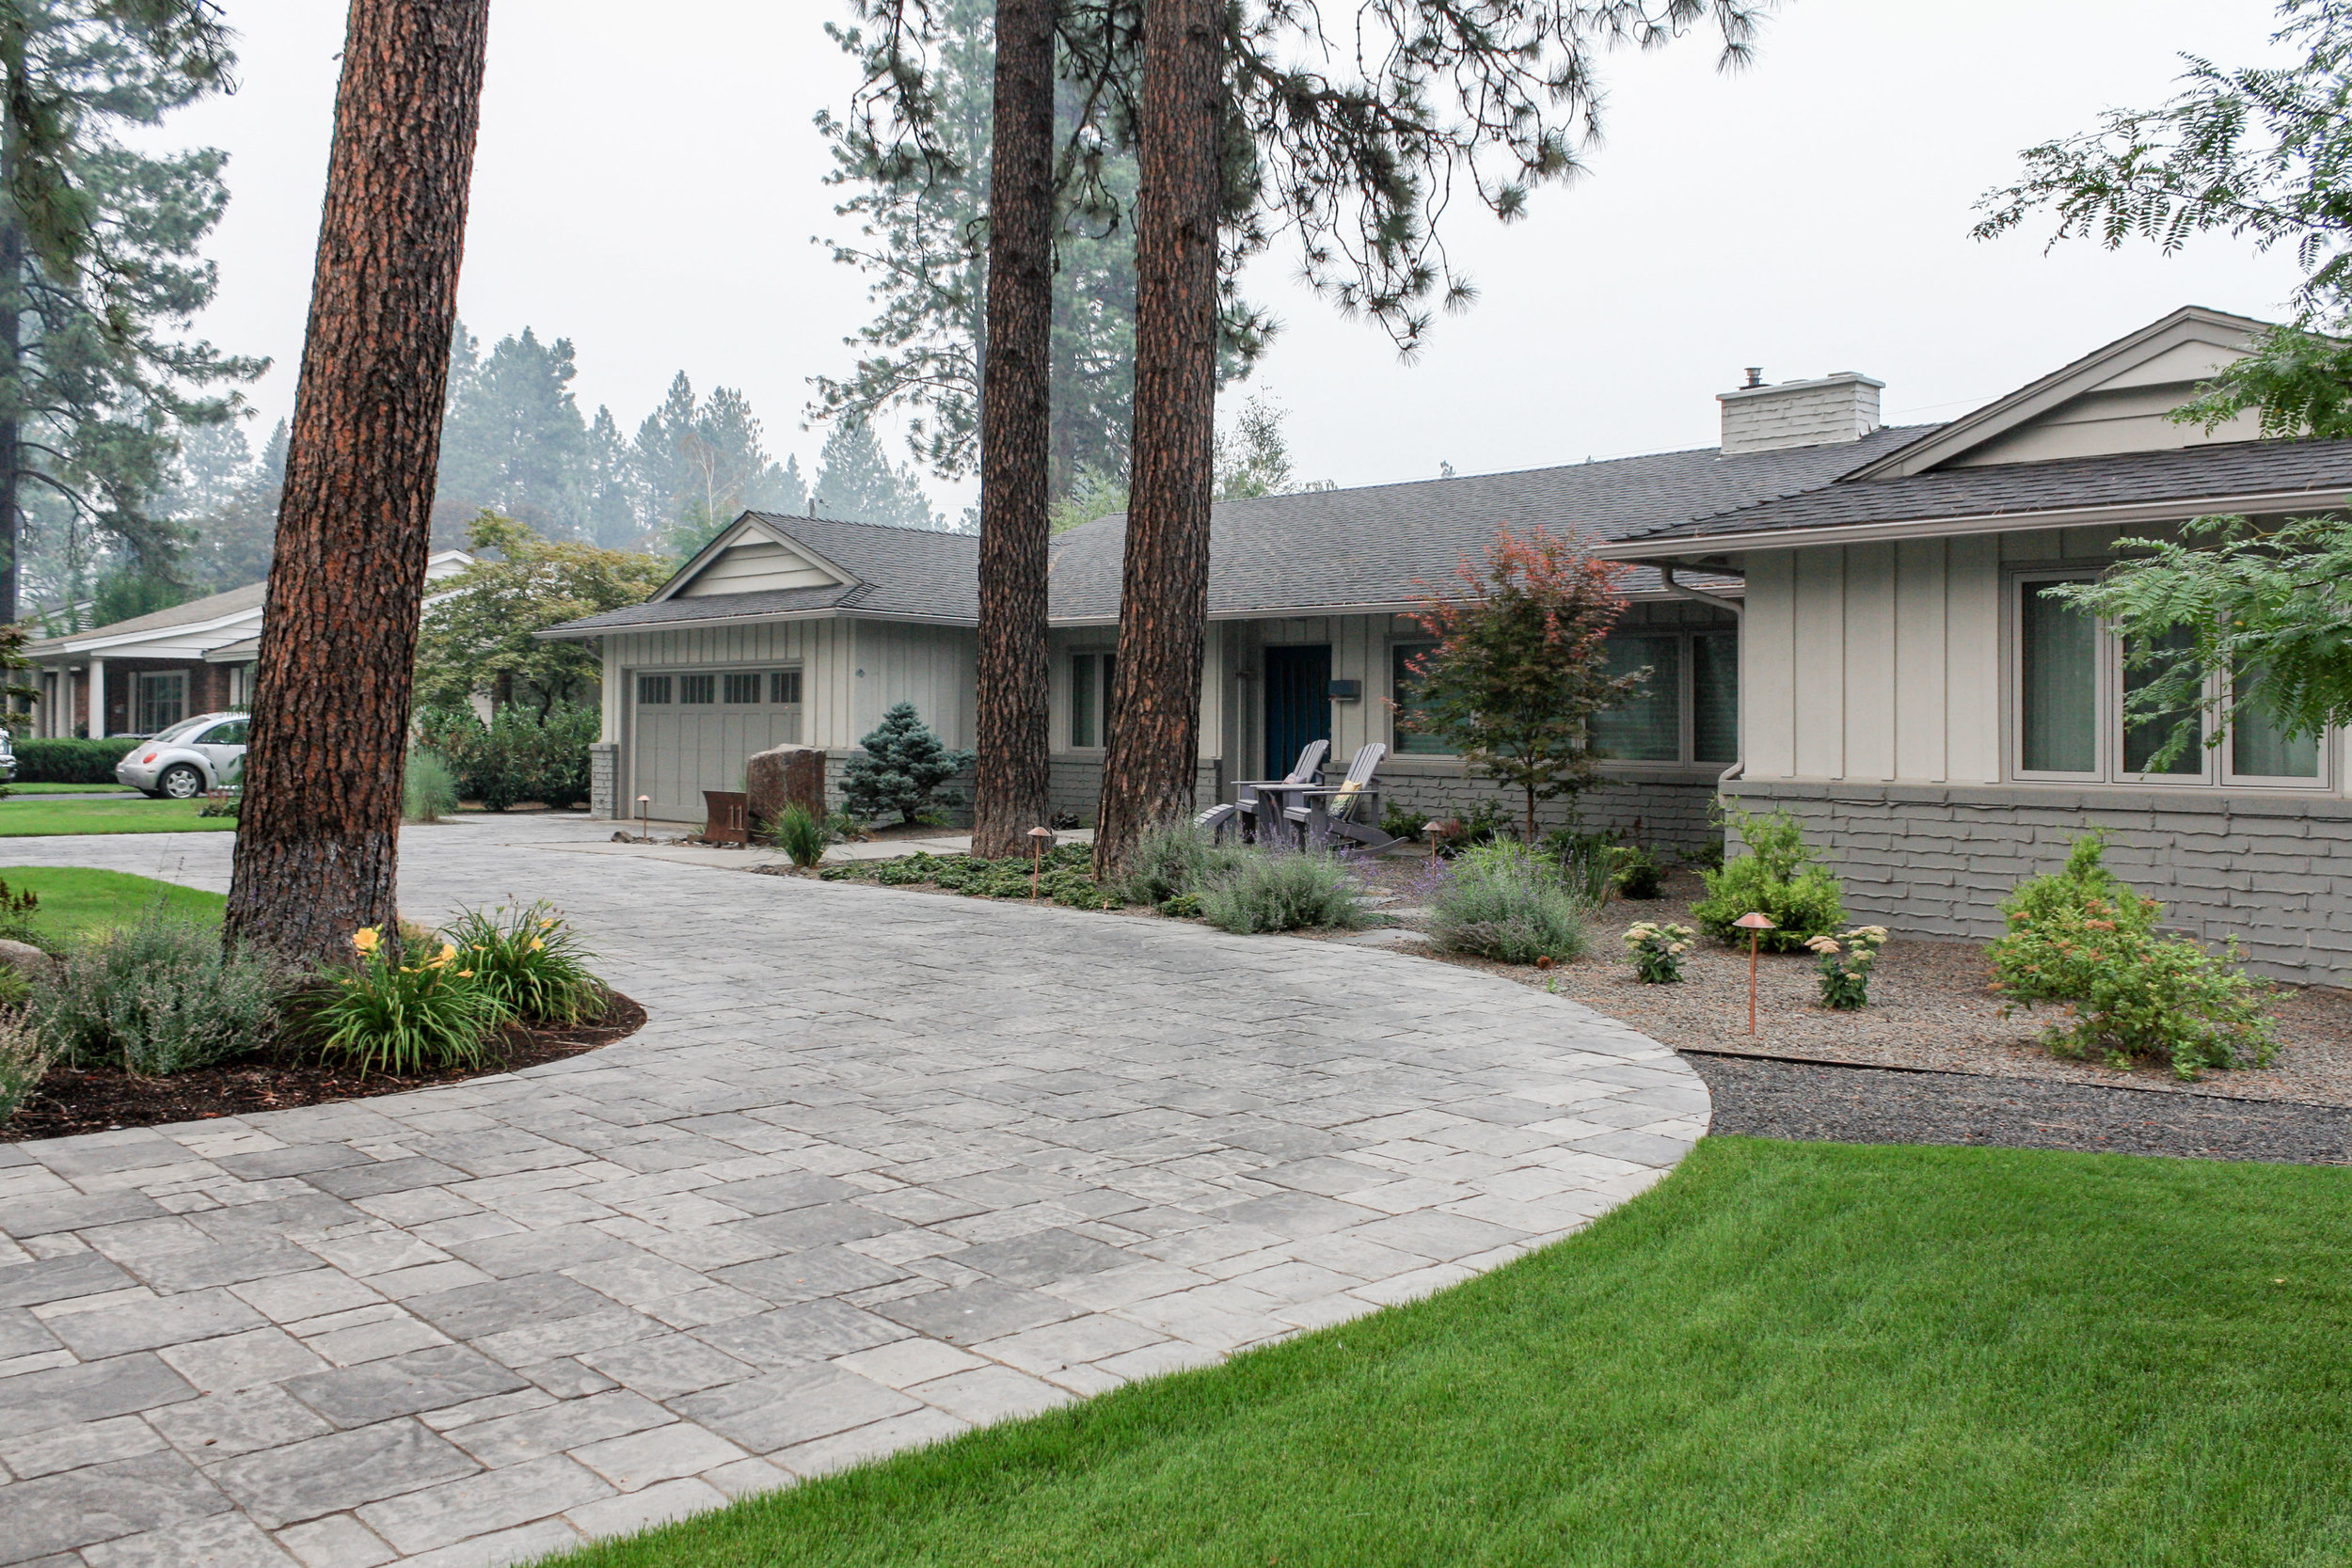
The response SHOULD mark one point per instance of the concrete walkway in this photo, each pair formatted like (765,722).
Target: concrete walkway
(883,1166)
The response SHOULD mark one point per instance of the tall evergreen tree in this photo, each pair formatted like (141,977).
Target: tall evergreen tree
(702,464)
(100,272)
(855,480)
(513,441)
(616,494)
(225,502)
(318,844)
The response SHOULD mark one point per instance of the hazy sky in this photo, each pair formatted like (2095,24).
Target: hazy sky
(651,192)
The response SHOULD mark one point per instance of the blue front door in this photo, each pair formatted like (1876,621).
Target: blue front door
(1298,702)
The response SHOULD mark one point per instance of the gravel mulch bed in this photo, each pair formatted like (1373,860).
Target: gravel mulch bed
(1930,1008)
(71,1101)
(1804,1100)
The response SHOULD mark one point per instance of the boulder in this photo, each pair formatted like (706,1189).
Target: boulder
(777,777)
(29,961)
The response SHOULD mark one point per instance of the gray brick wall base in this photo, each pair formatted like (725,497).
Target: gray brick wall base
(604,773)
(2273,871)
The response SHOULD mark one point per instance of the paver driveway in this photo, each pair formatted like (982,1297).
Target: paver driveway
(882,1165)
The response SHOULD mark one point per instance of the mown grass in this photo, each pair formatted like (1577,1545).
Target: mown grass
(76,901)
(1800,1355)
(23,818)
(70,790)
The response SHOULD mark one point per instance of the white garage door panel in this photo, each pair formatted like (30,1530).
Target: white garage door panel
(681,749)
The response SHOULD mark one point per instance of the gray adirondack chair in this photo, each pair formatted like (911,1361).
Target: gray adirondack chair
(1347,814)
(1256,808)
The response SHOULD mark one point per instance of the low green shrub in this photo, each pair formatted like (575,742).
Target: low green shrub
(1170,863)
(24,1059)
(1288,890)
(1658,951)
(428,790)
(517,757)
(19,910)
(901,767)
(403,1010)
(1064,875)
(68,761)
(530,960)
(800,835)
(1845,961)
(162,995)
(1481,824)
(1403,822)
(1503,901)
(2085,941)
(230,806)
(1778,876)
(1636,873)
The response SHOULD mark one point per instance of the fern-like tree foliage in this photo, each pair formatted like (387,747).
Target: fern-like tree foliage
(1520,665)
(2232,615)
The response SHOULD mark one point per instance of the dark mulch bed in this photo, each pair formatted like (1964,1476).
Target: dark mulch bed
(1875,1106)
(71,1100)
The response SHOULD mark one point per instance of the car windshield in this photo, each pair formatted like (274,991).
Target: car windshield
(182,730)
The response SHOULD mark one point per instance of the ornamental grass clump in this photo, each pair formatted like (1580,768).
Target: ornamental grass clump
(2084,940)
(1845,961)
(800,835)
(1501,900)
(531,961)
(159,996)
(24,1059)
(1778,877)
(1287,890)
(1658,951)
(405,1007)
(1175,863)
(428,790)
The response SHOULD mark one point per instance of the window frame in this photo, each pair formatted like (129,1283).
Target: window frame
(143,681)
(2216,768)
(1686,700)
(1098,660)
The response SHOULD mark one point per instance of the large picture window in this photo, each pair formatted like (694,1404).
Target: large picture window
(2070,689)
(1406,741)
(162,696)
(1688,714)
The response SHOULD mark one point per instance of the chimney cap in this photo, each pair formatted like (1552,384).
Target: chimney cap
(1756,375)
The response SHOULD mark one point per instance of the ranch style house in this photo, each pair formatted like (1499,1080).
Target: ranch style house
(1842,619)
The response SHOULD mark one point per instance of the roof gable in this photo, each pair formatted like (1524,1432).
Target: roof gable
(2113,400)
(751,557)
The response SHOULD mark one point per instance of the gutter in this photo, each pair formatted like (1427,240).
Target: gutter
(1738,613)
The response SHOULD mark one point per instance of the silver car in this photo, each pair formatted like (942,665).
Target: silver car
(184,761)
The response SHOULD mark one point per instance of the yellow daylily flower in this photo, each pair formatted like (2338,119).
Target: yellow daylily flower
(365,939)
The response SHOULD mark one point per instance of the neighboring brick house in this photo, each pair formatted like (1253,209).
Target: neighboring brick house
(147,673)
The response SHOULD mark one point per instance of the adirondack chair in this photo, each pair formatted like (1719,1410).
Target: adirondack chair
(1348,811)
(1256,803)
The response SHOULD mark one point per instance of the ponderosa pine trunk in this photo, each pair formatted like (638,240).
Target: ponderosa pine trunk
(1154,715)
(1014,778)
(11,410)
(317,841)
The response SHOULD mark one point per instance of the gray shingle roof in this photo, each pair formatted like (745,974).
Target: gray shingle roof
(193,612)
(2323,468)
(1377,544)
(1319,550)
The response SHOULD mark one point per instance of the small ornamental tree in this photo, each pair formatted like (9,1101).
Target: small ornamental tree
(1521,664)
(903,768)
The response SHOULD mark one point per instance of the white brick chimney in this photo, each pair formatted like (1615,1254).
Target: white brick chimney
(1840,406)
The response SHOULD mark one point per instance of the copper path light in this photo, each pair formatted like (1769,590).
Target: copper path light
(1756,925)
(1040,840)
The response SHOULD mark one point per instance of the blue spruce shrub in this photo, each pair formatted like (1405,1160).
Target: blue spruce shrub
(903,769)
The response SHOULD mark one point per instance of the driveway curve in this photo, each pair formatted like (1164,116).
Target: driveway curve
(881,1166)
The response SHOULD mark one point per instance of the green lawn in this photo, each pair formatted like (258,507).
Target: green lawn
(1801,1355)
(68,789)
(75,900)
(23,818)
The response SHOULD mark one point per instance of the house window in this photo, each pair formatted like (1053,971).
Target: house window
(1715,697)
(653,688)
(2072,683)
(1648,728)
(784,686)
(1091,699)
(162,696)
(697,689)
(1402,683)
(743,685)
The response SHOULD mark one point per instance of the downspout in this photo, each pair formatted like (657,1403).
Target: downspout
(1737,613)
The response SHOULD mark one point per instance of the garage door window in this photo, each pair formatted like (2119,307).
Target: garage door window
(743,685)
(697,689)
(784,686)
(653,688)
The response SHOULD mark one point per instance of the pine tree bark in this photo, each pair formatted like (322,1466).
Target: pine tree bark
(1154,717)
(1012,782)
(317,843)
(11,409)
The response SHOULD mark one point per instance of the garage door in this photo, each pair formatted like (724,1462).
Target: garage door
(693,729)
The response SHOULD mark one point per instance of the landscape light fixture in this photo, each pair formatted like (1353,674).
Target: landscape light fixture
(1756,925)
(1040,840)
(644,829)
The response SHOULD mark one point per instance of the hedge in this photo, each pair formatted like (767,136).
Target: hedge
(72,761)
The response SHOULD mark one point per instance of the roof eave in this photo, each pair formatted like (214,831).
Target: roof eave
(1674,547)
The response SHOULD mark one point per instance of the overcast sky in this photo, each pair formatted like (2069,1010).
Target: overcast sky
(651,193)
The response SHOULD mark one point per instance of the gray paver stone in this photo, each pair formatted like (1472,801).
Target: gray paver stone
(33,1401)
(403,1384)
(442,1515)
(793,1406)
(101,1502)
(329,1475)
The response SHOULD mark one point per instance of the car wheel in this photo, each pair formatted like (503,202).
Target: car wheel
(181,783)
